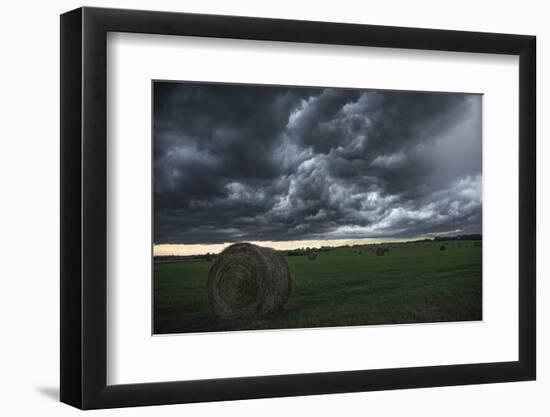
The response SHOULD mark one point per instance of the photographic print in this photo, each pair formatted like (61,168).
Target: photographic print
(284,207)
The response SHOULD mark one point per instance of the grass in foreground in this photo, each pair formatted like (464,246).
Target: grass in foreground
(412,283)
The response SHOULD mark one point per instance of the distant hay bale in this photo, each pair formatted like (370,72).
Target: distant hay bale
(246,280)
(312,256)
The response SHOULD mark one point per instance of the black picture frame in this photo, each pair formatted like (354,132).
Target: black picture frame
(84,207)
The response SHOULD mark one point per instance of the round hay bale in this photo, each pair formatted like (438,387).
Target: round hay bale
(246,280)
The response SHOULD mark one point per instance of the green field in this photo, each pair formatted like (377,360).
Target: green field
(411,283)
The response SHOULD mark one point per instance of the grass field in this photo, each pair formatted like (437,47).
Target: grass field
(411,283)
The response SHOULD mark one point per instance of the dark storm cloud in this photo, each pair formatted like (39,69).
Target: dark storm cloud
(234,162)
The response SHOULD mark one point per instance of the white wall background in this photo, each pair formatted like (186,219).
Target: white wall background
(29,176)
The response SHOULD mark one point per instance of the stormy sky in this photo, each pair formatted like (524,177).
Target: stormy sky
(251,163)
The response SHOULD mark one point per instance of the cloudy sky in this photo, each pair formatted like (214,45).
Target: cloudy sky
(262,163)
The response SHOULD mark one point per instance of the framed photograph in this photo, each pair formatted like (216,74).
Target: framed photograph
(257,208)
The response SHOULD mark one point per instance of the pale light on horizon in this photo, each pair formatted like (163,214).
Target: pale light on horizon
(177,249)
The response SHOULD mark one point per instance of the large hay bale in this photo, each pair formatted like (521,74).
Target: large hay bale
(248,280)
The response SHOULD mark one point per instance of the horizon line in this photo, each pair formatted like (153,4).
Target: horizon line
(189,249)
